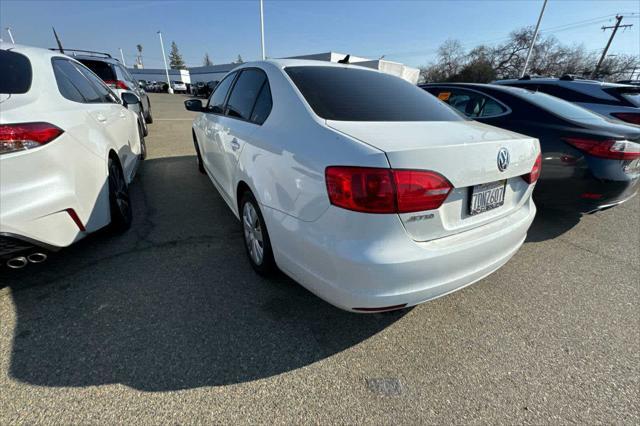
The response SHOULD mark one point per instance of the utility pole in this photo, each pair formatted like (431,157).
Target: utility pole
(122,57)
(262,30)
(606,48)
(533,42)
(166,69)
(10,35)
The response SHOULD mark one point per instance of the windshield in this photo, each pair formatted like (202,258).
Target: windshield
(352,94)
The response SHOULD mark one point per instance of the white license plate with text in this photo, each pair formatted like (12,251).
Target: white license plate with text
(487,196)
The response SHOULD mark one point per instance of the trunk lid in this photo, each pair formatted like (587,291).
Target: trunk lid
(464,152)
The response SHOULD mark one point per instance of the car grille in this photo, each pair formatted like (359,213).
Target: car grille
(10,246)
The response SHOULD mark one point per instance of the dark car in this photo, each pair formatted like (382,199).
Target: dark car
(618,101)
(589,162)
(208,89)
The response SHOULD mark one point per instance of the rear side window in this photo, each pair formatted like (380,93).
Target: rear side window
(16,73)
(101,69)
(244,94)
(470,103)
(216,101)
(67,73)
(262,109)
(351,94)
(105,93)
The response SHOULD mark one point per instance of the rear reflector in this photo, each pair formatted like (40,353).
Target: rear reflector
(608,148)
(629,117)
(534,174)
(380,190)
(76,219)
(590,196)
(21,136)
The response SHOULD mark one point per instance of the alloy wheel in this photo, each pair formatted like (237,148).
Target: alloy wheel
(253,233)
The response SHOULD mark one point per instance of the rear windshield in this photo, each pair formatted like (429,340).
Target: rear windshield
(351,94)
(15,70)
(558,106)
(101,69)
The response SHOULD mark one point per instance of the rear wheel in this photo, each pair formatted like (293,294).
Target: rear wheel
(119,200)
(256,238)
(148,117)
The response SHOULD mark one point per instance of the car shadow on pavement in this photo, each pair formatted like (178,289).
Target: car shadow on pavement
(551,223)
(171,304)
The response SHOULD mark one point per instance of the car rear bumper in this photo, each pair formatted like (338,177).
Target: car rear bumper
(43,191)
(585,195)
(345,266)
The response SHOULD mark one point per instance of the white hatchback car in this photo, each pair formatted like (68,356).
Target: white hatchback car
(364,188)
(68,151)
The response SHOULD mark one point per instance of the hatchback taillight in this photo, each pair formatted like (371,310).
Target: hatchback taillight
(629,117)
(117,84)
(380,190)
(609,148)
(21,136)
(534,174)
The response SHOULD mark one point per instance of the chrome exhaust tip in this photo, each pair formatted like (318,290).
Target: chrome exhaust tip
(17,262)
(37,257)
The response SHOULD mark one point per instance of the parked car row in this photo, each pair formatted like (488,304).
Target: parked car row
(367,190)
(72,134)
(203,89)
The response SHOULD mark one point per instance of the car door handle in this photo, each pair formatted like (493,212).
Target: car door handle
(101,118)
(235,145)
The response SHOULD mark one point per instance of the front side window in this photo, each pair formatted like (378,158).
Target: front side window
(216,101)
(245,92)
(16,73)
(353,94)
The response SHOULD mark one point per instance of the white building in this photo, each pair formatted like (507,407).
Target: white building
(216,72)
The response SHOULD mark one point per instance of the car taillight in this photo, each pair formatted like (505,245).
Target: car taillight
(379,190)
(629,117)
(609,148)
(534,174)
(117,84)
(21,136)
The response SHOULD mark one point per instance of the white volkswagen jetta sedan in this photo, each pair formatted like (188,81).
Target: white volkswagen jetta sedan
(68,150)
(365,189)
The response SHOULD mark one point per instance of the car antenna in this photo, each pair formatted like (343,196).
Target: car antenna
(57,40)
(344,60)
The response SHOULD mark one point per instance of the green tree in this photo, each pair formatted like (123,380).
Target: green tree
(175,58)
(206,61)
(239,60)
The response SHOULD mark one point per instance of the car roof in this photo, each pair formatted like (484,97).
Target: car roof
(558,81)
(283,63)
(28,50)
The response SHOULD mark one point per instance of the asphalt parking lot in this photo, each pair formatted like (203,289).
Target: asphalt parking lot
(168,324)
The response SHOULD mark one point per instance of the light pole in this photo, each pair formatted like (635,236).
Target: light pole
(122,57)
(10,35)
(533,42)
(166,69)
(262,30)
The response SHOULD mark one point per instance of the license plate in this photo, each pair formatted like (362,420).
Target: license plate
(487,196)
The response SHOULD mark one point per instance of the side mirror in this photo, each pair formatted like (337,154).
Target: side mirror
(193,105)
(131,101)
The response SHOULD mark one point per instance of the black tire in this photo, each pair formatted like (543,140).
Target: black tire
(198,156)
(148,118)
(267,265)
(119,200)
(143,148)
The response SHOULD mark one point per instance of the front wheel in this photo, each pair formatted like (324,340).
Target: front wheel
(256,238)
(119,200)
(198,156)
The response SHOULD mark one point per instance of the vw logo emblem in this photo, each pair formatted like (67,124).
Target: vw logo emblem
(503,159)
